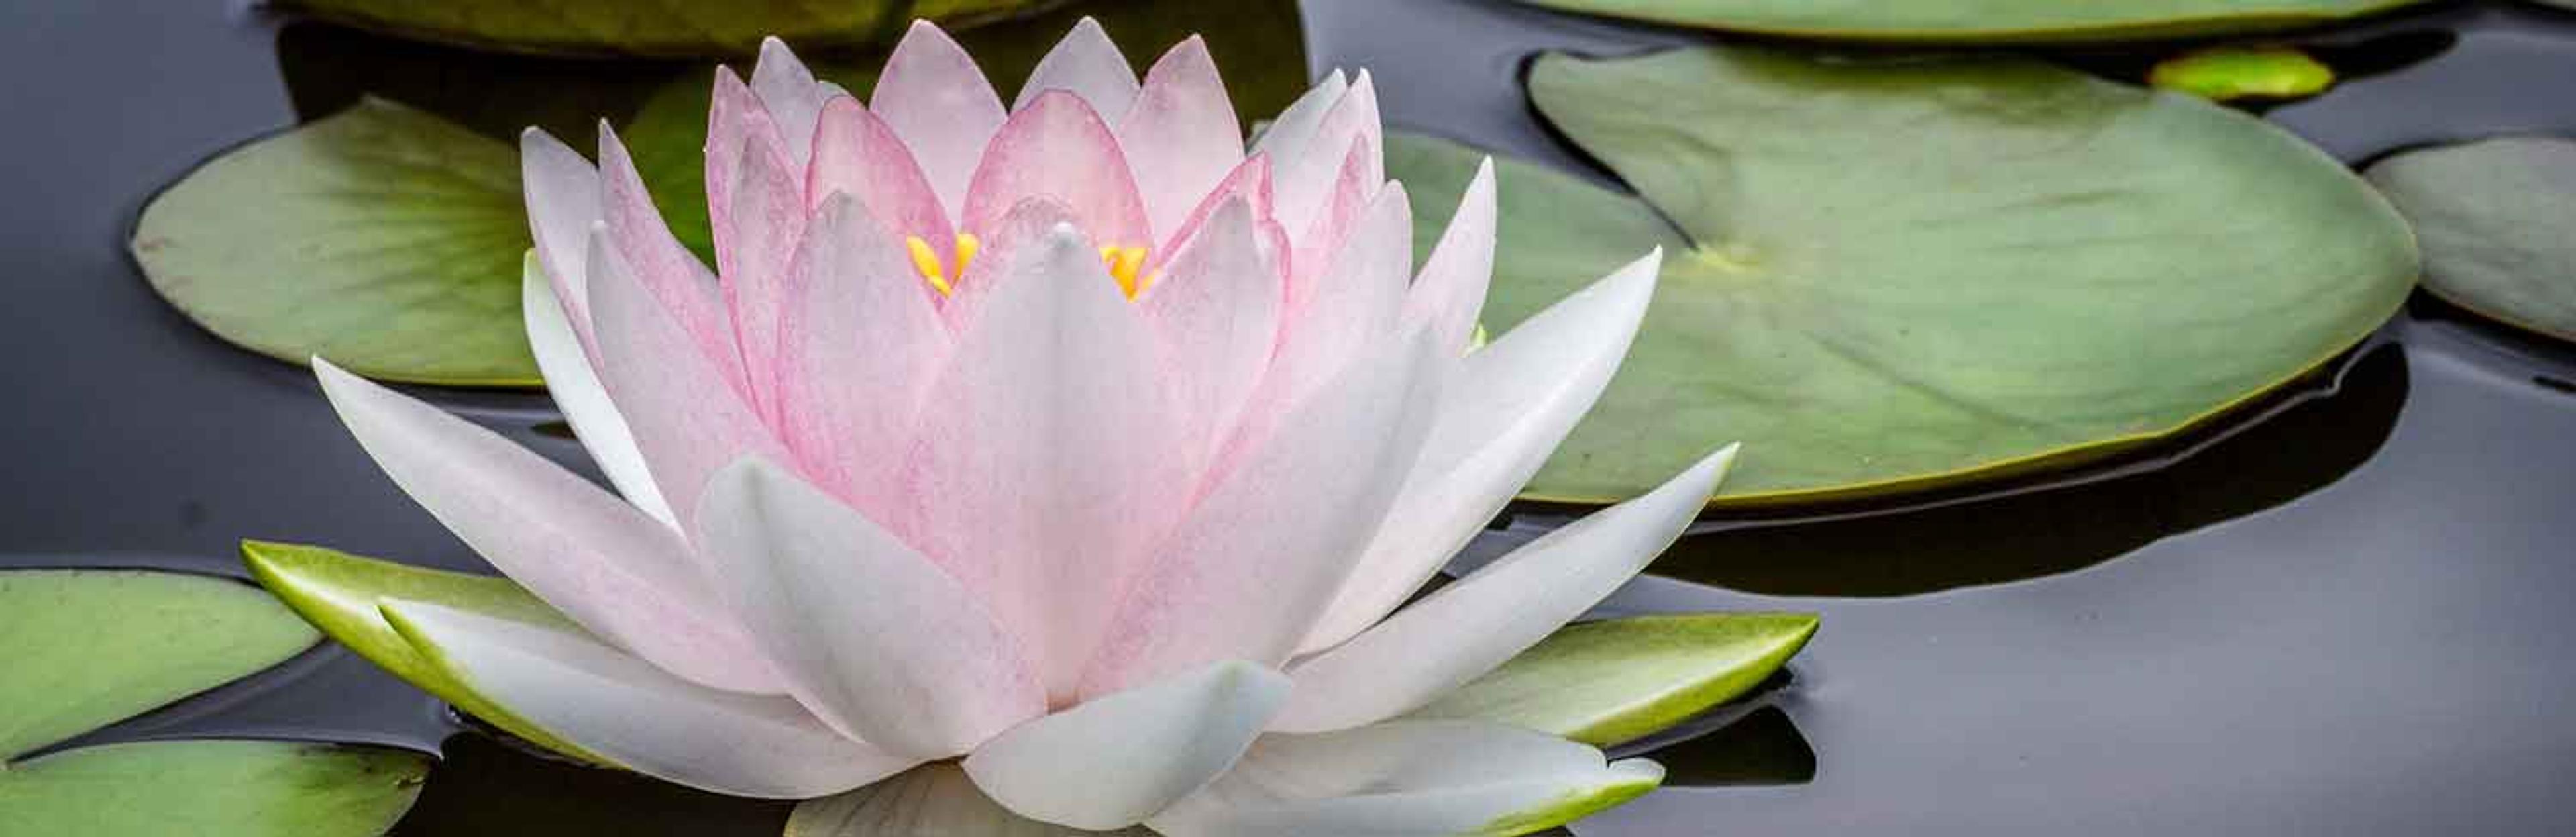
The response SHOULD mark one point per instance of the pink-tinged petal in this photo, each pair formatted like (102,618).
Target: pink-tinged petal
(793,97)
(562,193)
(576,389)
(858,346)
(933,97)
(734,115)
(1352,193)
(857,155)
(1113,761)
(867,633)
(1181,136)
(1341,308)
(1287,135)
(1215,310)
(1040,466)
(1450,290)
(686,420)
(678,281)
(1468,628)
(1408,779)
(756,236)
(1250,181)
(1087,64)
(1264,550)
(933,800)
(1514,402)
(1028,225)
(1057,148)
(636,715)
(614,570)
(1307,177)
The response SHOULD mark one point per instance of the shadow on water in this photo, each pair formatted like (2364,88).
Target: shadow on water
(2315,438)
(488,786)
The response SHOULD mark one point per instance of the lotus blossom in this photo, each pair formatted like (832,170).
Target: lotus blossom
(1070,444)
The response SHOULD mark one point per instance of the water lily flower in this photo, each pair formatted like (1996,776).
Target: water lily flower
(1070,445)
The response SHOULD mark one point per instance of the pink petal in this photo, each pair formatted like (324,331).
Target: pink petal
(1215,311)
(856,154)
(1324,236)
(1028,225)
(1286,137)
(1450,290)
(756,235)
(1181,137)
(686,421)
(1040,467)
(617,572)
(933,97)
(858,345)
(1342,307)
(875,639)
(562,193)
(734,116)
(1245,575)
(1087,64)
(1306,178)
(1250,180)
(792,96)
(1057,148)
(683,286)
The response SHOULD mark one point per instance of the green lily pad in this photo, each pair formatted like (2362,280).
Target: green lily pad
(1886,278)
(655,28)
(2229,73)
(382,238)
(210,789)
(1614,681)
(1986,21)
(90,647)
(2498,221)
(338,592)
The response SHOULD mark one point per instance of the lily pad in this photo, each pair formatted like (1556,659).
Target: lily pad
(1614,681)
(1986,21)
(338,592)
(2498,221)
(2229,73)
(87,648)
(383,238)
(1887,278)
(667,27)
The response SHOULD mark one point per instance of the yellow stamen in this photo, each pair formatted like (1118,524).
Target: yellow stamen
(967,246)
(928,263)
(1124,263)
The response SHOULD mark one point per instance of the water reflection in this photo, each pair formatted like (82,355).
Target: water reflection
(487,787)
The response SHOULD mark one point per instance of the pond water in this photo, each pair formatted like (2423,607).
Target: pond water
(2342,615)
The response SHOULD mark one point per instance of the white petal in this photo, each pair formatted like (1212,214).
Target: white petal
(792,96)
(636,715)
(1089,65)
(1181,136)
(933,800)
(1288,134)
(1469,628)
(944,108)
(562,191)
(1408,779)
(1306,174)
(859,347)
(867,633)
(1113,761)
(576,389)
(1450,290)
(1515,401)
(618,572)
(1215,310)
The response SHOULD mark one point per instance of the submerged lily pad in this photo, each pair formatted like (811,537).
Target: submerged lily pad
(2498,221)
(1610,682)
(2229,73)
(1885,278)
(651,28)
(383,238)
(90,647)
(1986,21)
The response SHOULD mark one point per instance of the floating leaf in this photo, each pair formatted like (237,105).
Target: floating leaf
(210,789)
(1613,681)
(90,647)
(1885,278)
(2228,73)
(2497,218)
(338,592)
(1986,21)
(382,238)
(667,27)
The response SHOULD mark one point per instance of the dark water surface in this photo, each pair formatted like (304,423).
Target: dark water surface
(2349,617)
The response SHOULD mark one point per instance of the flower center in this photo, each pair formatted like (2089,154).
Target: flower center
(1124,263)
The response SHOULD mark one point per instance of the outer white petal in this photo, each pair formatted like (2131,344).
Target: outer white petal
(1089,65)
(943,107)
(562,192)
(1408,779)
(1113,761)
(608,566)
(634,714)
(1306,176)
(583,400)
(1450,290)
(933,800)
(1289,134)
(871,636)
(1468,628)
(1515,401)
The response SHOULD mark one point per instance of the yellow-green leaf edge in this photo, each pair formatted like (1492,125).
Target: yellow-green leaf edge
(1712,658)
(2175,27)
